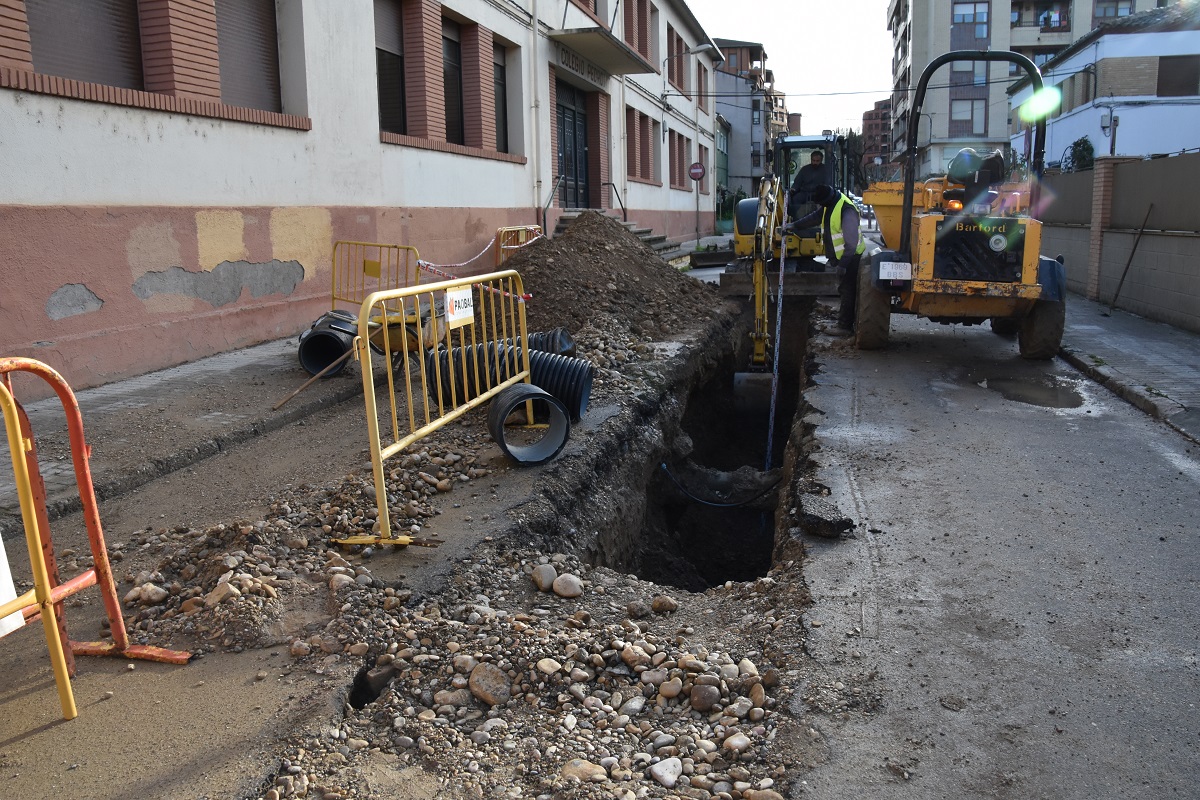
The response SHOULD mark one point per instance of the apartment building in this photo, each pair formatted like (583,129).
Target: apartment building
(177,171)
(967,103)
(757,112)
(877,139)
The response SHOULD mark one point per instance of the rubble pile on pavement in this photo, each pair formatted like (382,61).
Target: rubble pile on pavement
(535,675)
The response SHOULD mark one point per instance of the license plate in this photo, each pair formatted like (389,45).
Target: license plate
(895,271)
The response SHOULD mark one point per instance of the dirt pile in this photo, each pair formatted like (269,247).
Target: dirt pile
(599,271)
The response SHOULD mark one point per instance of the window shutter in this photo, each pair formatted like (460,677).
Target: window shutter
(388,26)
(97,41)
(248,48)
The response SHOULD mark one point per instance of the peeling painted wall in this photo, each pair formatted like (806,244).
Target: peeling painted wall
(224,284)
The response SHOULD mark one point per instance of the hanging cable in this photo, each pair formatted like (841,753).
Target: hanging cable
(693,497)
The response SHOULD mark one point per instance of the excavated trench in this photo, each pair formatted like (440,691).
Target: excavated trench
(682,495)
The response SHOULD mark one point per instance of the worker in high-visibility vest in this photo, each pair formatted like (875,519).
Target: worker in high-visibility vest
(843,247)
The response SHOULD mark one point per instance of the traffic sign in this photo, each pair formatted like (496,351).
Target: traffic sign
(696,171)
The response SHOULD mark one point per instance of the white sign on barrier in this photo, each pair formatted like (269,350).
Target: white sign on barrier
(460,307)
(8,592)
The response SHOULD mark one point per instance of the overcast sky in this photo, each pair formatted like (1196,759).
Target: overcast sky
(833,59)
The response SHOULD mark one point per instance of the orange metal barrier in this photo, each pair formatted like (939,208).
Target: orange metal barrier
(45,600)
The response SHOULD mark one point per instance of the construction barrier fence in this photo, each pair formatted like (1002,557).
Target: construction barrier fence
(46,598)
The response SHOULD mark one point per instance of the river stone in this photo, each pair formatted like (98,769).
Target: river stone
(758,695)
(223,591)
(746,667)
(703,697)
(737,743)
(583,770)
(671,688)
(638,609)
(667,771)
(761,794)
(454,697)
(543,576)
(567,585)
(490,684)
(633,706)
(635,656)
(664,604)
(548,666)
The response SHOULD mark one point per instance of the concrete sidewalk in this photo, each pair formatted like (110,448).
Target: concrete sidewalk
(1150,364)
(149,426)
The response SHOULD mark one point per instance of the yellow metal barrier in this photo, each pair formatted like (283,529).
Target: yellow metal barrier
(509,240)
(360,268)
(46,597)
(467,327)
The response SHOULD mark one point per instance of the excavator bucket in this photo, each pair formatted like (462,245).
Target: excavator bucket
(752,391)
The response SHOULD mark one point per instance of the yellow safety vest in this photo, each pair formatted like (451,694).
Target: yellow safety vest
(835,229)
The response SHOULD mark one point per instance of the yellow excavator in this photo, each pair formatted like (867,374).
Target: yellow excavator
(764,252)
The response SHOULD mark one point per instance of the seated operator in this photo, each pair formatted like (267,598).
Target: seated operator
(813,174)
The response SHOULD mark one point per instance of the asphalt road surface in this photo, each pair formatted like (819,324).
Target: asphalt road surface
(1023,583)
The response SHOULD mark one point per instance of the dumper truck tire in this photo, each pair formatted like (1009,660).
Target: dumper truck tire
(1006,326)
(872,312)
(1040,336)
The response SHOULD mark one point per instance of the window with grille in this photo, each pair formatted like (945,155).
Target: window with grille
(97,41)
(389,66)
(452,81)
(248,50)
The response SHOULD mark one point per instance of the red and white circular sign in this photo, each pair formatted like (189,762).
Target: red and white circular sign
(696,171)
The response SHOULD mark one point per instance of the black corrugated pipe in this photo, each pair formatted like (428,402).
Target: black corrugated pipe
(545,406)
(327,340)
(568,379)
(556,340)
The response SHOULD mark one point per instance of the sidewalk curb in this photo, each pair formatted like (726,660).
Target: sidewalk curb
(1158,407)
(106,489)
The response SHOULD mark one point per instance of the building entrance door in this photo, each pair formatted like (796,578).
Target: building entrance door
(572,146)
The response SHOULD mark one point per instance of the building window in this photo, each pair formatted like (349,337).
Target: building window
(972,14)
(755,112)
(452,82)
(702,86)
(702,184)
(248,48)
(640,159)
(680,156)
(637,27)
(1113,8)
(500,87)
(96,41)
(973,112)
(731,61)
(1178,76)
(389,66)
(981,73)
